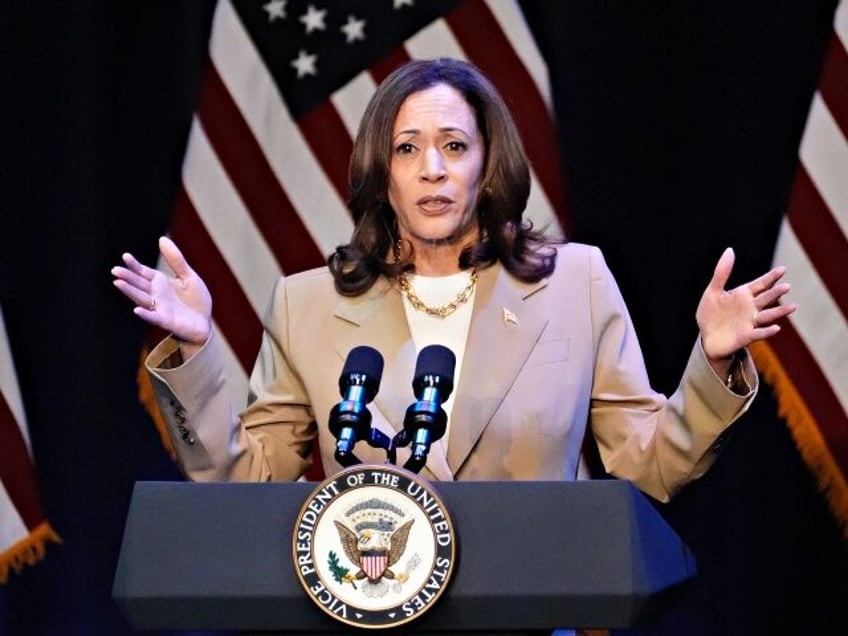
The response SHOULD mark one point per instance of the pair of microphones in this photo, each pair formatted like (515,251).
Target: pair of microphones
(425,420)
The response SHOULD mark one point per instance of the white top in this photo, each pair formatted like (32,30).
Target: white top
(450,331)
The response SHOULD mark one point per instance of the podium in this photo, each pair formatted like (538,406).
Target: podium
(531,555)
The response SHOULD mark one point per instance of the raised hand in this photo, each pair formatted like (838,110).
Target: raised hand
(180,304)
(732,319)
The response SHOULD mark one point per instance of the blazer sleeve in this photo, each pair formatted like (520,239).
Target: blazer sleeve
(270,439)
(660,443)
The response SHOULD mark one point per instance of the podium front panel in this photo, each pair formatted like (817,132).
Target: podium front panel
(531,555)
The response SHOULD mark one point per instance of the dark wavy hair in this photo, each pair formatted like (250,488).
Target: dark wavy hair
(503,192)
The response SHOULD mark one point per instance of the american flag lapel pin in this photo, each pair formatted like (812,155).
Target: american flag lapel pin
(509,317)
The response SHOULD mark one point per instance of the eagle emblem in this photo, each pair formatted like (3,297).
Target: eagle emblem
(374,546)
(374,551)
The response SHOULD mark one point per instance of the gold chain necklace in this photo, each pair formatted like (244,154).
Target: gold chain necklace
(444,310)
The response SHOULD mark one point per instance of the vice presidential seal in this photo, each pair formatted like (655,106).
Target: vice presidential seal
(374,546)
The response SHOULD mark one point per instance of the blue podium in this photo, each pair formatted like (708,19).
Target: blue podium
(531,555)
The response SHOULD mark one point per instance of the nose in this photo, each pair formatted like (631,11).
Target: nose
(432,165)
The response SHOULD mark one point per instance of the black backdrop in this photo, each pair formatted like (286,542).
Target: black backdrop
(680,123)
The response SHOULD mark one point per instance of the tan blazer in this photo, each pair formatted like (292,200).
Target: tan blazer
(526,393)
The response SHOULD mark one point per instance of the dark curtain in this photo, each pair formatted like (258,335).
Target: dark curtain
(96,103)
(680,124)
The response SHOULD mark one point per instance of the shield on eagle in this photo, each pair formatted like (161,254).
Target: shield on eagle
(374,552)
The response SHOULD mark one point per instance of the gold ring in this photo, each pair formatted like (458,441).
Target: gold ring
(152,304)
(756,315)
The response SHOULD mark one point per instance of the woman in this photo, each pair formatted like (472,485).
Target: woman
(439,254)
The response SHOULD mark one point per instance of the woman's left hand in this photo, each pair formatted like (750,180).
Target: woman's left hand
(732,319)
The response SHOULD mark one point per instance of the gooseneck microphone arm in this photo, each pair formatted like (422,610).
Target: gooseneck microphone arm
(426,421)
(350,419)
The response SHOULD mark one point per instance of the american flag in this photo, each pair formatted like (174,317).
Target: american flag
(807,362)
(24,530)
(264,180)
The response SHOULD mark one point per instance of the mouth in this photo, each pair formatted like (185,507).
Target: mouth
(434,204)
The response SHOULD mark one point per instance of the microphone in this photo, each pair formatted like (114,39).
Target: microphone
(426,420)
(350,419)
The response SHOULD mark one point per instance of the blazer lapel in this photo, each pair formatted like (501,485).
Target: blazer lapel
(381,321)
(380,316)
(504,329)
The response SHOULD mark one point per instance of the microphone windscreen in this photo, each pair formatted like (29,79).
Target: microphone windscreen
(366,362)
(436,360)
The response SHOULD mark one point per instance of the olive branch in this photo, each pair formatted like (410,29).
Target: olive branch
(340,574)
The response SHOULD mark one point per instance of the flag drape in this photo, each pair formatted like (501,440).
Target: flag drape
(24,530)
(264,179)
(807,362)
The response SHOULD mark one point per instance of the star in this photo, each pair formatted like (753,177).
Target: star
(354,29)
(276,9)
(314,19)
(305,64)
(403,3)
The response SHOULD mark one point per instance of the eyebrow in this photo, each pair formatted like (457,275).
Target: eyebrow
(417,131)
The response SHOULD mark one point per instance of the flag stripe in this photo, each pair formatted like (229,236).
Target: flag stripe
(16,471)
(515,29)
(820,236)
(9,389)
(350,101)
(252,89)
(833,80)
(249,170)
(232,311)
(229,223)
(474,25)
(840,23)
(388,63)
(827,346)
(810,363)
(24,531)
(328,137)
(438,39)
(824,153)
(816,391)
(12,527)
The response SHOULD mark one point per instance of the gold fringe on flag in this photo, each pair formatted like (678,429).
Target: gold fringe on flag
(145,396)
(805,432)
(28,551)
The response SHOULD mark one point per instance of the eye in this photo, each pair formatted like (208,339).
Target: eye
(404,148)
(456,147)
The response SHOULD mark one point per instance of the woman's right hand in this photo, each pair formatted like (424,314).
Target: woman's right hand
(180,304)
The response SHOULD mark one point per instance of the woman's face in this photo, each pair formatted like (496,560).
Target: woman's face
(436,167)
